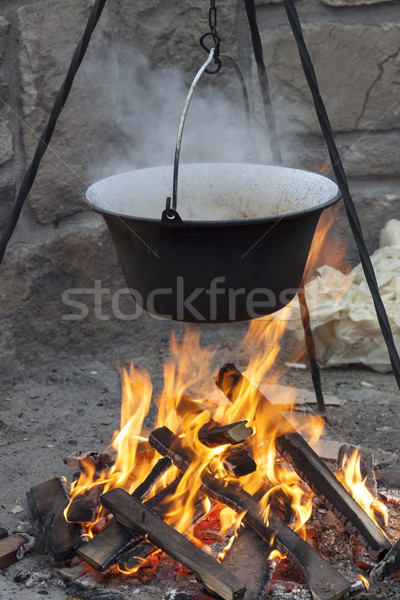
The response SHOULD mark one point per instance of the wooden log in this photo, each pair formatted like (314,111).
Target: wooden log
(307,464)
(324,581)
(389,566)
(102,551)
(101,460)
(237,461)
(9,547)
(133,559)
(105,460)
(47,502)
(213,436)
(266,578)
(84,508)
(141,520)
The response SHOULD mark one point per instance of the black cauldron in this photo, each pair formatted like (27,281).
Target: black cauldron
(238,248)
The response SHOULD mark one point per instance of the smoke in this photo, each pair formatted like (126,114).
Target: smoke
(143,107)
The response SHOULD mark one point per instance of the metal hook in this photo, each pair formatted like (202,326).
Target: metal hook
(214,34)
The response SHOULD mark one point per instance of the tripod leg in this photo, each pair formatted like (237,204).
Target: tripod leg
(315,373)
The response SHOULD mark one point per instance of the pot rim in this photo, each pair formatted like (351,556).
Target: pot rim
(227,222)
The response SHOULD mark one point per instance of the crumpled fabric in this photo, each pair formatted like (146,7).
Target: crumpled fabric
(342,314)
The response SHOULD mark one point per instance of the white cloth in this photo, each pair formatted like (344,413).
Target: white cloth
(343,318)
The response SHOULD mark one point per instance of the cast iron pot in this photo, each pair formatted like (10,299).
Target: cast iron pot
(236,251)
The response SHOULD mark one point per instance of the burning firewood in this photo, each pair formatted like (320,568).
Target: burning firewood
(102,551)
(389,566)
(47,502)
(84,508)
(105,460)
(237,461)
(101,460)
(137,556)
(235,433)
(265,581)
(323,580)
(294,448)
(133,559)
(140,520)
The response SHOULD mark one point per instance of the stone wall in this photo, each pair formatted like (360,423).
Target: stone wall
(123,113)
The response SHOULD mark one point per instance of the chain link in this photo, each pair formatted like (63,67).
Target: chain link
(212,15)
(212,22)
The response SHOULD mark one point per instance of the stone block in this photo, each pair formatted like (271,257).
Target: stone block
(70,271)
(6,138)
(358,70)
(351,2)
(168,32)
(4,28)
(366,155)
(35,277)
(374,154)
(376,203)
(48,35)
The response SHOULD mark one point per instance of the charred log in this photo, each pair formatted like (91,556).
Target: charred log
(214,435)
(389,566)
(237,461)
(323,580)
(102,551)
(104,460)
(47,502)
(84,508)
(141,520)
(133,559)
(266,578)
(294,448)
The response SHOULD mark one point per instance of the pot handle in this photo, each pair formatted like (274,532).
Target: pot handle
(171,206)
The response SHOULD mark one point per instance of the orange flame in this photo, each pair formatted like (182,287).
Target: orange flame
(365,581)
(275,555)
(189,372)
(355,485)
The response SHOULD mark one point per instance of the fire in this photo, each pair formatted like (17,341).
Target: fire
(125,472)
(355,484)
(187,403)
(276,555)
(191,368)
(136,398)
(365,581)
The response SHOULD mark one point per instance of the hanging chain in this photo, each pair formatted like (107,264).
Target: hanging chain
(212,23)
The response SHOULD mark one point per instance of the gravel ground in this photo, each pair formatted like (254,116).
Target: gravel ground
(72,403)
